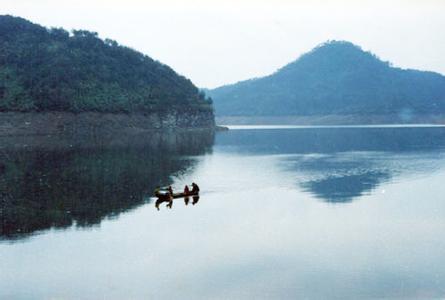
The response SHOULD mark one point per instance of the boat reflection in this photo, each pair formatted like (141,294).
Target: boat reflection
(169,202)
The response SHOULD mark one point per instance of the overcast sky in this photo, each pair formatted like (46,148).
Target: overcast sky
(215,42)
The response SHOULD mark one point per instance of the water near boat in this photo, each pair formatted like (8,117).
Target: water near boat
(306,212)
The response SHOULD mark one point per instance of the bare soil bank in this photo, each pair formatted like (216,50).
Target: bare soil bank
(87,123)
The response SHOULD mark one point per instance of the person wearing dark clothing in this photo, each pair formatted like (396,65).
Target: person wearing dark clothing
(195,188)
(186,190)
(170,190)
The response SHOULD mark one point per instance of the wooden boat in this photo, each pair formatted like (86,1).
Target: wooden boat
(163,194)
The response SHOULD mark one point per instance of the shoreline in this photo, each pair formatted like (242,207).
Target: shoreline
(93,123)
(332,120)
(363,126)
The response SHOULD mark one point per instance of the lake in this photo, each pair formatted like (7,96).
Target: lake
(284,212)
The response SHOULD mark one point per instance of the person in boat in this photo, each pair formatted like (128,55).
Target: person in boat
(170,190)
(195,188)
(186,190)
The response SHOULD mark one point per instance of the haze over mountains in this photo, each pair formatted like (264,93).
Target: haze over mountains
(337,78)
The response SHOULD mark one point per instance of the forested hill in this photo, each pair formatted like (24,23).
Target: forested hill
(53,70)
(336,78)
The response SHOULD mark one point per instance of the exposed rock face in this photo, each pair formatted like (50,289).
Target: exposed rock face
(51,123)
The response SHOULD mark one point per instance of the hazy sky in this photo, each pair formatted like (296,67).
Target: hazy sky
(215,42)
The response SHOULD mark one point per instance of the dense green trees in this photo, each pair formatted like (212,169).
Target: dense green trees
(334,78)
(50,69)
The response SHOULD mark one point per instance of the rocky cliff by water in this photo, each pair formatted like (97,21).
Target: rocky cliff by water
(87,123)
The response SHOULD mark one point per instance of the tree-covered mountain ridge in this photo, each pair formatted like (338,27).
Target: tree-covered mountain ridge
(47,70)
(335,78)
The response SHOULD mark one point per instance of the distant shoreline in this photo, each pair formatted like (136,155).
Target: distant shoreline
(333,120)
(277,127)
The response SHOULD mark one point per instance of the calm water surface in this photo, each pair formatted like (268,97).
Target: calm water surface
(347,213)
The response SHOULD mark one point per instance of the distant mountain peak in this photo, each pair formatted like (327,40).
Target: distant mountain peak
(334,55)
(336,45)
(334,78)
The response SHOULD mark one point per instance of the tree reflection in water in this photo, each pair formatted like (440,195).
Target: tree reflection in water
(47,183)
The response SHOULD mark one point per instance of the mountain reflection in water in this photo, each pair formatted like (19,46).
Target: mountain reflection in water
(341,164)
(262,228)
(58,183)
